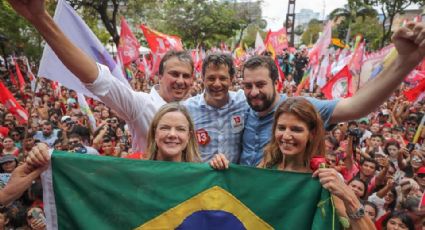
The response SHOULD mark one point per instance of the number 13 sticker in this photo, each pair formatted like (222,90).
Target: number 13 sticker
(202,137)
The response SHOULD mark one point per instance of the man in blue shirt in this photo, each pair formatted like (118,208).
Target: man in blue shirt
(218,114)
(260,86)
(260,76)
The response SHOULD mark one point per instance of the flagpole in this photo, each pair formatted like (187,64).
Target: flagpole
(31,109)
(419,130)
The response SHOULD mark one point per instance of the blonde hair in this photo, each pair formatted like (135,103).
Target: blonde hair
(191,152)
(306,112)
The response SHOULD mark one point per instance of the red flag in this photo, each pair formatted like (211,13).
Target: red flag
(20,77)
(160,43)
(7,99)
(339,85)
(13,79)
(156,59)
(281,76)
(413,93)
(277,40)
(128,48)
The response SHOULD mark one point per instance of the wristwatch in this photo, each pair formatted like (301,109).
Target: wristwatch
(359,213)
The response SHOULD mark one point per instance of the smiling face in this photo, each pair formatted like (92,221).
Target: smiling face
(259,89)
(292,135)
(176,81)
(172,136)
(217,81)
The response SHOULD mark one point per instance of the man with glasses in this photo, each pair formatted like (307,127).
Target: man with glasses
(76,145)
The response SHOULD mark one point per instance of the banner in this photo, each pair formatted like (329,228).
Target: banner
(277,40)
(81,36)
(160,43)
(98,192)
(339,86)
(7,99)
(128,49)
(373,64)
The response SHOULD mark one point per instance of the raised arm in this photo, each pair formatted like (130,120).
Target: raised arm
(410,44)
(79,63)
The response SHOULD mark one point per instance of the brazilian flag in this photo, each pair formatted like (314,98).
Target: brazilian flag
(95,192)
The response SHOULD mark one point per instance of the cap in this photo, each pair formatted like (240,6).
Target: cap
(421,170)
(65,118)
(363,120)
(7,158)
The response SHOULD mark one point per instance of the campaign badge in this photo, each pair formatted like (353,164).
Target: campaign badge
(202,136)
(237,122)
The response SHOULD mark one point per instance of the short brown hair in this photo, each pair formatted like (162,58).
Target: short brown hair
(181,55)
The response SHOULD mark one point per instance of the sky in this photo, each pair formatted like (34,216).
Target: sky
(274,11)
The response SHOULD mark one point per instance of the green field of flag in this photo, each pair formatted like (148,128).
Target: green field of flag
(96,192)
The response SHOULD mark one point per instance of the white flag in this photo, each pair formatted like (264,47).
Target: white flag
(81,35)
(259,44)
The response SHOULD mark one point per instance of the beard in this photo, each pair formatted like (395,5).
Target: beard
(267,102)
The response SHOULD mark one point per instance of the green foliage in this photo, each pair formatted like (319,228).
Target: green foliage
(311,34)
(22,37)
(198,22)
(370,28)
(389,9)
(350,14)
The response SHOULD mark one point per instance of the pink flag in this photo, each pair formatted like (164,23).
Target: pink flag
(128,48)
(321,44)
(357,60)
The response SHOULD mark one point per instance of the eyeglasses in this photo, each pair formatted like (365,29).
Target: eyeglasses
(73,142)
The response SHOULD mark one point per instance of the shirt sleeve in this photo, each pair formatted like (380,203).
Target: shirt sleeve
(118,96)
(325,108)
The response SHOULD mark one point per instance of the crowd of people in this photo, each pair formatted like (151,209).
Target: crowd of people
(364,149)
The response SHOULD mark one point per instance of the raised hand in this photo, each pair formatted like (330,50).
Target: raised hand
(29,9)
(410,42)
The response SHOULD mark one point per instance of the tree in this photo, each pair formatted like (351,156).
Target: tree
(311,34)
(389,9)
(197,21)
(354,10)
(107,10)
(20,36)
(369,27)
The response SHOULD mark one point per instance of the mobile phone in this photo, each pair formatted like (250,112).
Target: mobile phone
(410,146)
(37,214)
